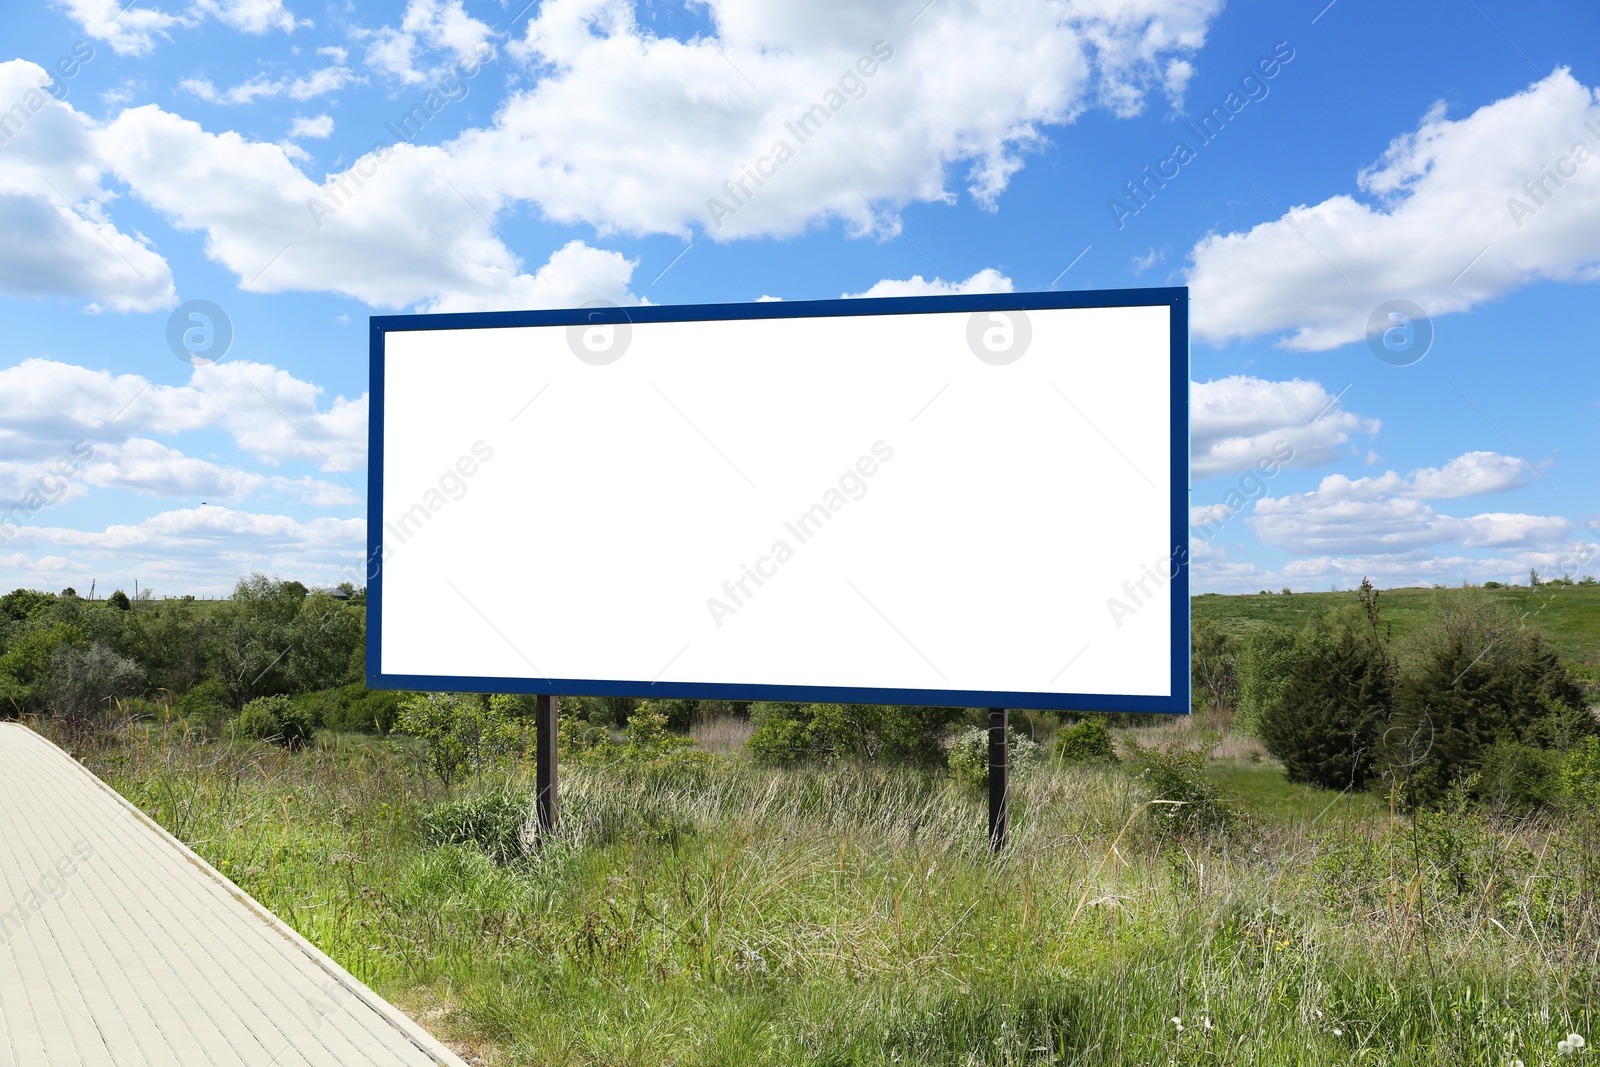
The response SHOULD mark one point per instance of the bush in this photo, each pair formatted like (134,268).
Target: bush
(878,733)
(355,709)
(495,822)
(1177,774)
(969,756)
(84,682)
(463,734)
(276,719)
(206,705)
(1517,777)
(1580,776)
(1086,741)
(1212,667)
(1266,655)
(1327,722)
(1477,675)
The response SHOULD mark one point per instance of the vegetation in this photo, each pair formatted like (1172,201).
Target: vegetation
(1377,843)
(843,913)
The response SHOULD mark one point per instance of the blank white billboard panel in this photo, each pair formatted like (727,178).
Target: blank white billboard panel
(904,501)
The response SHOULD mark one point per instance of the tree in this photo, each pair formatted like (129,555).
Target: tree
(1212,655)
(1328,720)
(249,638)
(120,601)
(25,668)
(787,732)
(1266,657)
(463,735)
(1477,675)
(84,681)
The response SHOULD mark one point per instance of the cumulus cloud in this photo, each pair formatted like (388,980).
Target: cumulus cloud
(261,87)
(52,414)
(1342,517)
(133,30)
(1462,211)
(192,550)
(1237,421)
(987,280)
(249,16)
(427,25)
(874,106)
(60,241)
(151,468)
(1470,474)
(129,30)
(319,126)
(397,229)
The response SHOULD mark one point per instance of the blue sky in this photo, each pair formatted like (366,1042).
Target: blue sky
(302,165)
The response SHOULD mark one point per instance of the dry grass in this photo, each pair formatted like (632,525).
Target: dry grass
(725,735)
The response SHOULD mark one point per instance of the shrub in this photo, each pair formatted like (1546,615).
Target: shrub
(1266,655)
(1177,774)
(1518,777)
(205,705)
(1086,741)
(462,733)
(648,738)
(1213,669)
(969,756)
(1477,675)
(85,681)
(356,709)
(1580,775)
(1328,719)
(276,719)
(495,822)
(882,733)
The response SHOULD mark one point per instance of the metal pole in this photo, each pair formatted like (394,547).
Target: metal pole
(545,763)
(999,777)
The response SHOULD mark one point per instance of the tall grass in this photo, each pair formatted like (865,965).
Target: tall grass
(721,913)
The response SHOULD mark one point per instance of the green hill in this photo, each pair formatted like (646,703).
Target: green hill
(1568,615)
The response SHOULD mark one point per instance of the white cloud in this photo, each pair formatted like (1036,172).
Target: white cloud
(129,30)
(1352,518)
(987,280)
(963,94)
(305,87)
(47,407)
(201,550)
(1465,211)
(397,229)
(60,241)
(574,275)
(1469,474)
(318,127)
(427,24)
(1238,421)
(249,16)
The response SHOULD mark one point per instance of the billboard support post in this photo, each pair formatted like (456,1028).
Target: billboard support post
(999,777)
(545,763)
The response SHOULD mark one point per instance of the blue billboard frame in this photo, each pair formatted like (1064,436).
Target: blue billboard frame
(1175,298)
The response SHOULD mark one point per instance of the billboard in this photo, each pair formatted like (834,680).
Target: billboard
(965,500)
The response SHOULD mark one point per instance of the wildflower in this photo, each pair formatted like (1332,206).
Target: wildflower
(1337,1032)
(1178,1023)
(1571,1045)
(1207,1021)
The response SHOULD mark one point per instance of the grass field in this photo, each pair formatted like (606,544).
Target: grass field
(1569,615)
(719,913)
